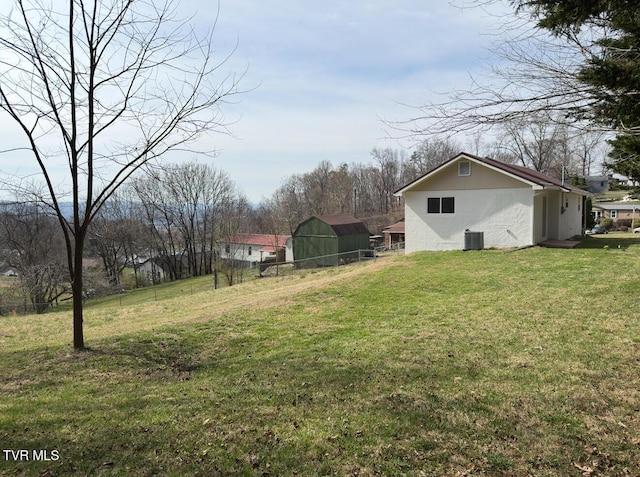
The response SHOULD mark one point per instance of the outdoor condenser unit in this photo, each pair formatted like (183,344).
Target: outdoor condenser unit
(473,240)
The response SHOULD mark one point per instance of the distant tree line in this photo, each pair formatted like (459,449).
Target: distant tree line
(172,219)
(33,250)
(366,190)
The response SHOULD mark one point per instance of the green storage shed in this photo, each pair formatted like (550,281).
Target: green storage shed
(325,240)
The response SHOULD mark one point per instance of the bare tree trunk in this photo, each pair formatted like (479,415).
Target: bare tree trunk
(61,84)
(76,289)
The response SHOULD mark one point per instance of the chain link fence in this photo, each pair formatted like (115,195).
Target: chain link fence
(207,283)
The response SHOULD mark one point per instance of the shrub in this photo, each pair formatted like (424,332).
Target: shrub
(618,186)
(607,223)
(620,224)
(623,223)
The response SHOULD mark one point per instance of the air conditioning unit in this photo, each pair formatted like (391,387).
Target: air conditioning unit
(473,240)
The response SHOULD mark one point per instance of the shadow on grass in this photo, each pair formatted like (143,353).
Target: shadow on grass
(614,240)
(260,413)
(186,401)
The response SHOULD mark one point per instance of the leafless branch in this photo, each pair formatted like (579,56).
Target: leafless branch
(534,73)
(102,88)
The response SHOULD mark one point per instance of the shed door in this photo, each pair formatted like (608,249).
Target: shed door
(543,225)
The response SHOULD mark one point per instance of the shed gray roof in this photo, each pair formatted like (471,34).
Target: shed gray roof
(344,224)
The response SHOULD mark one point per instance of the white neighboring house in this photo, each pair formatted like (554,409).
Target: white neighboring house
(512,206)
(256,248)
(152,270)
(10,273)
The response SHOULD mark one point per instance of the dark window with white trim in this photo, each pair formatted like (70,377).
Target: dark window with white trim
(441,205)
(464,168)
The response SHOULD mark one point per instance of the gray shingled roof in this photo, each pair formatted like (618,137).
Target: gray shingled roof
(617,206)
(344,224)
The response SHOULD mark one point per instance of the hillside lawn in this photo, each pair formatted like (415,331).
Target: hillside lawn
(449,363)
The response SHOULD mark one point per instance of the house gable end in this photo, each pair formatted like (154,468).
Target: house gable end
(313,226)
(480,177)
(522,176)
(331,225)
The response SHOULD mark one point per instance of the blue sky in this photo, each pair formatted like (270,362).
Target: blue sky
(328,73)
(322,77)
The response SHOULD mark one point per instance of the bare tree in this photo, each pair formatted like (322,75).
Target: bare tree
(340,194)
(288,203)
(107,238)
(102,88)
(532,73)
(188,208)
(316,184)
(386,181)
(233,219)
(161,216)
(118,236)
(364,177)
(550,145)
(324,190)
(32,246)
(535,142)
(590,149)
(431,152)
(218,193)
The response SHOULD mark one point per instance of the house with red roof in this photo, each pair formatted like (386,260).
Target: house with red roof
(493,203)
(256,248)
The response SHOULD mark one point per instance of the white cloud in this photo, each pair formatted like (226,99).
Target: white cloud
(330,70)
(324,73)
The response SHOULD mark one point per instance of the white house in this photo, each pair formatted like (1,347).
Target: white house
(512,206)
(152,269)
(256,248)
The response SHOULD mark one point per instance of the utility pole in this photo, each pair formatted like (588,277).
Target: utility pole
(355,205)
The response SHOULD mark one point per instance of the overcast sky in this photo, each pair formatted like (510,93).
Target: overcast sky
(323,75)
(328,73)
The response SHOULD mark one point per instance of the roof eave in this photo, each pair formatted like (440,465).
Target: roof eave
(581,192)
(536,185)
(409,186)
(425,176)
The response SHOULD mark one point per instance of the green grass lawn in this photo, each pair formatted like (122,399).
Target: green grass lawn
(451,363)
